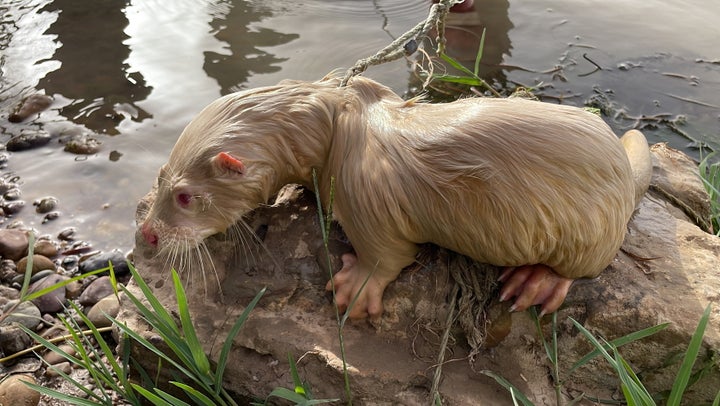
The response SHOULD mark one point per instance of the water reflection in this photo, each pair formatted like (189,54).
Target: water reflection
(244,56)
(464,31)
(94,74)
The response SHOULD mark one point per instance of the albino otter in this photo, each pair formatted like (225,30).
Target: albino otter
(543,189)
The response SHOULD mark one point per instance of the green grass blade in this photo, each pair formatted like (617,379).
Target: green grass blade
(163,316)
(201,362)
(630,379)
(37,294)
(510,387)
(196,395)
(297,382)
(619,342)
(69,399)
(463,80)
(717,400)
(455,64)
(155,399)
(28,268)
(595,342)
(478,57)
(685,371)
(227,346)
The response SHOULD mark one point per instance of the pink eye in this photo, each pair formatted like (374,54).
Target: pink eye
(184,199)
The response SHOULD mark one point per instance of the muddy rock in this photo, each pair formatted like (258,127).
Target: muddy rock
(28,139)
(14,392)
(82,145)
(13,244)
(666,271)
(31,105)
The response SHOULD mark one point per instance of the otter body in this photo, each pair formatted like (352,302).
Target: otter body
(544,189)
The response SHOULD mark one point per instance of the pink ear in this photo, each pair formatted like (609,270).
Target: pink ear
(230,163)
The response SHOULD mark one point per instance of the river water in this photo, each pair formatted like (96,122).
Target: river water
(134,73)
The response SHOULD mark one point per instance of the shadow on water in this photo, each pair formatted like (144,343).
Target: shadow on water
(93,74)
(245,55)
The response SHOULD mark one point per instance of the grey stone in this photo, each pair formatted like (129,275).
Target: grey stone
(53,357)
(13,339)
(96,290)
(53,301)
(26,313)
(109,306)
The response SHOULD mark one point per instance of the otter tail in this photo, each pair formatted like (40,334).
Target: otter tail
(638,152)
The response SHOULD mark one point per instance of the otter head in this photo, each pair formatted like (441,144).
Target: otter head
(198,198)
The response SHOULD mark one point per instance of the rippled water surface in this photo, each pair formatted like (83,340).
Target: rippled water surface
(135,72)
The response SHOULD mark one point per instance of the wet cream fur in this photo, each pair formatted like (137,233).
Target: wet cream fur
(505,181)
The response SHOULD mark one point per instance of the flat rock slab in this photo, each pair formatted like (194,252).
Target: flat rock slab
(667,271)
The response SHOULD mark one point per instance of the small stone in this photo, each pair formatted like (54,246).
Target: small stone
(8,270)
(45,248)
(96,290)
(45,205)
(54,358)
(14,392)
(13,244)
(13,339)
(51,302)
(73,290)
(31,105)
(50,216)
(28,140)
(39,263)
(14,207)
(82,145)
(102,259)
(26,313)
(12,194)
(63,367)
(66,234)
(110,306)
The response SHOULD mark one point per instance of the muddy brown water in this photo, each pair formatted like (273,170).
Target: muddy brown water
(135,72)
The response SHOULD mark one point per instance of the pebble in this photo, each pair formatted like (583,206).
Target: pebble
(28,140)
(26,314)
(101,260)
(51,302)
(14,207)
(95,291)
(63,367)
(73,290)
(13,339)
(14,392)
(82,145)
(13,244)
(31,105)
(39,263)
(54,358)
(110,306)
(45,248)
(8,271)
(45,204)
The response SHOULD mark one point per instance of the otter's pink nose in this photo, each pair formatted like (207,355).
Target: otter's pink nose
(149,235)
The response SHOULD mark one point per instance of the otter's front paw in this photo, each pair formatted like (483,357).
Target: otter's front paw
(534,284)
(348,283)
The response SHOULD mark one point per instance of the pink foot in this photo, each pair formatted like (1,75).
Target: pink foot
(532,285)
(348,283)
